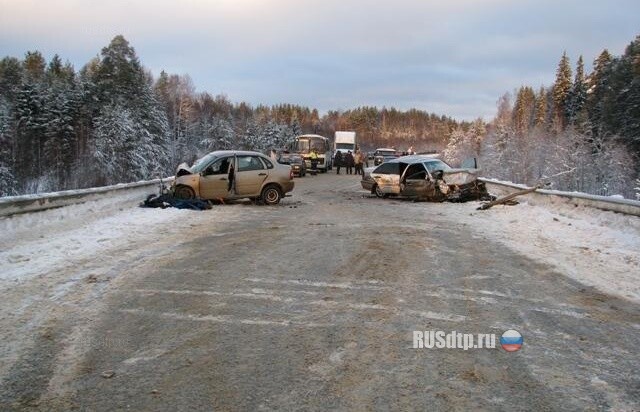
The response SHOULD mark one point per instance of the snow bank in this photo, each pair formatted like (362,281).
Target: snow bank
(37,243)
(598,200)
(594,247)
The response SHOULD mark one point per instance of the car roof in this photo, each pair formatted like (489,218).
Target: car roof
(236,152)
(414,159)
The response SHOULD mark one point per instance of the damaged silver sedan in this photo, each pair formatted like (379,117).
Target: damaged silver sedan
(427,178)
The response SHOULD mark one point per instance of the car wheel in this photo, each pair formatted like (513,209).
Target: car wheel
(378,192)
(184,193)
(271,195)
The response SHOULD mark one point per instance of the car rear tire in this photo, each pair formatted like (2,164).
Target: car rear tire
(271,195)
(184,193)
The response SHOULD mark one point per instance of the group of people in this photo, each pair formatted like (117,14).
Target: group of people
(350,161)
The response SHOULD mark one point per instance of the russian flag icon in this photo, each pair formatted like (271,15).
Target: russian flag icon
(511,340)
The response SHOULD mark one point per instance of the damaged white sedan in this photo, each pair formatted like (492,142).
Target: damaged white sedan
(424,177)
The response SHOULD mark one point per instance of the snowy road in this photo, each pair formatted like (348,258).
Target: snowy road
(312,305)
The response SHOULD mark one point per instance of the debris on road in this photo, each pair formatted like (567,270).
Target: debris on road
(509,198)
(166,200)
(108,374)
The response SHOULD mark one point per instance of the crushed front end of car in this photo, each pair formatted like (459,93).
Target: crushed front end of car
(461,185)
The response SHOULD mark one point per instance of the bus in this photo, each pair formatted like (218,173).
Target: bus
(307,142)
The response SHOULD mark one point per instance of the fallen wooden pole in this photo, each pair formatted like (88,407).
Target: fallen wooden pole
(505,199)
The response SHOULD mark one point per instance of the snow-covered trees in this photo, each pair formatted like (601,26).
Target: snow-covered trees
(62,130)
(583,134)
(112,122)
(131,133)
(464,144)
(589,143)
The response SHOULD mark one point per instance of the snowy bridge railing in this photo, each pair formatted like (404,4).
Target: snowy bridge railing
(543,196)
(13,205)
(32,203)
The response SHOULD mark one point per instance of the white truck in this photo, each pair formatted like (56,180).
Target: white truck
(344,142)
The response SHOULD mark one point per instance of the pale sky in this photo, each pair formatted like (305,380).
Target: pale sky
(448,57)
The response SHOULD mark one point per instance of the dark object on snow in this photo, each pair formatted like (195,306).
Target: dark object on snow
(166,200)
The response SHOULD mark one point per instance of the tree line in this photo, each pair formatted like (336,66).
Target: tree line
(113,122)
(580,134)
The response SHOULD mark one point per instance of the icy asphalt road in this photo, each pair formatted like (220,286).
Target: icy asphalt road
(312,305)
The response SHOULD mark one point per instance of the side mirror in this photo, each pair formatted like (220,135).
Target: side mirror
(438,174)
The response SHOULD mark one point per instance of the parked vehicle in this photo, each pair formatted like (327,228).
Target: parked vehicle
(297,163)
(232,174)
(345,142)
(425,178)
(303,145)
(382,155)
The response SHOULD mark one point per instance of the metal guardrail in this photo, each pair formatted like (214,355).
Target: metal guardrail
(613,204)
(13,205)
(31,203)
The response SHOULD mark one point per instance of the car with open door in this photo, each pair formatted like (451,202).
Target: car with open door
(233,174)
(425,178)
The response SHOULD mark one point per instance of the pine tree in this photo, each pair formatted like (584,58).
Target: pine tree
(599,90)
(7,180)
(578,95)
(625,84)
(541,108)
(561,90)
(524,109)
(34,65)
(219,135)
(118,82)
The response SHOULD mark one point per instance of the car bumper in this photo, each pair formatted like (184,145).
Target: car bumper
(288,186)
(367,184)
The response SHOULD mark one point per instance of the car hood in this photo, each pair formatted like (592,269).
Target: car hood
(183,169)
(460,176)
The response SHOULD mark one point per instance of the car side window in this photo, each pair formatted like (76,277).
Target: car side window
(219,167)
(246,163)
(267,163)
(388,169)
(416,171)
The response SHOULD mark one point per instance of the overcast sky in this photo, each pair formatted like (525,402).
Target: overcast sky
(451,57)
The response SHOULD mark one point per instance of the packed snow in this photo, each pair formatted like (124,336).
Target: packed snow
(36,243)
(594,247)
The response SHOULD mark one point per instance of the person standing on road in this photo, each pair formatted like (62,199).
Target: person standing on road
(313,156)
(359,160)
(349,162)
(337,160)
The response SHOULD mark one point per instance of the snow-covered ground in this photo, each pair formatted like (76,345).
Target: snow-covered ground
(36,243)
(594,247)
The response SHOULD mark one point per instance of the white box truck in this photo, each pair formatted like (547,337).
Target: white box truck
(344,141)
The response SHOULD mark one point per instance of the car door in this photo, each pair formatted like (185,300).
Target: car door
(214,180)
(387,177)
(415,182)
(251,174)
